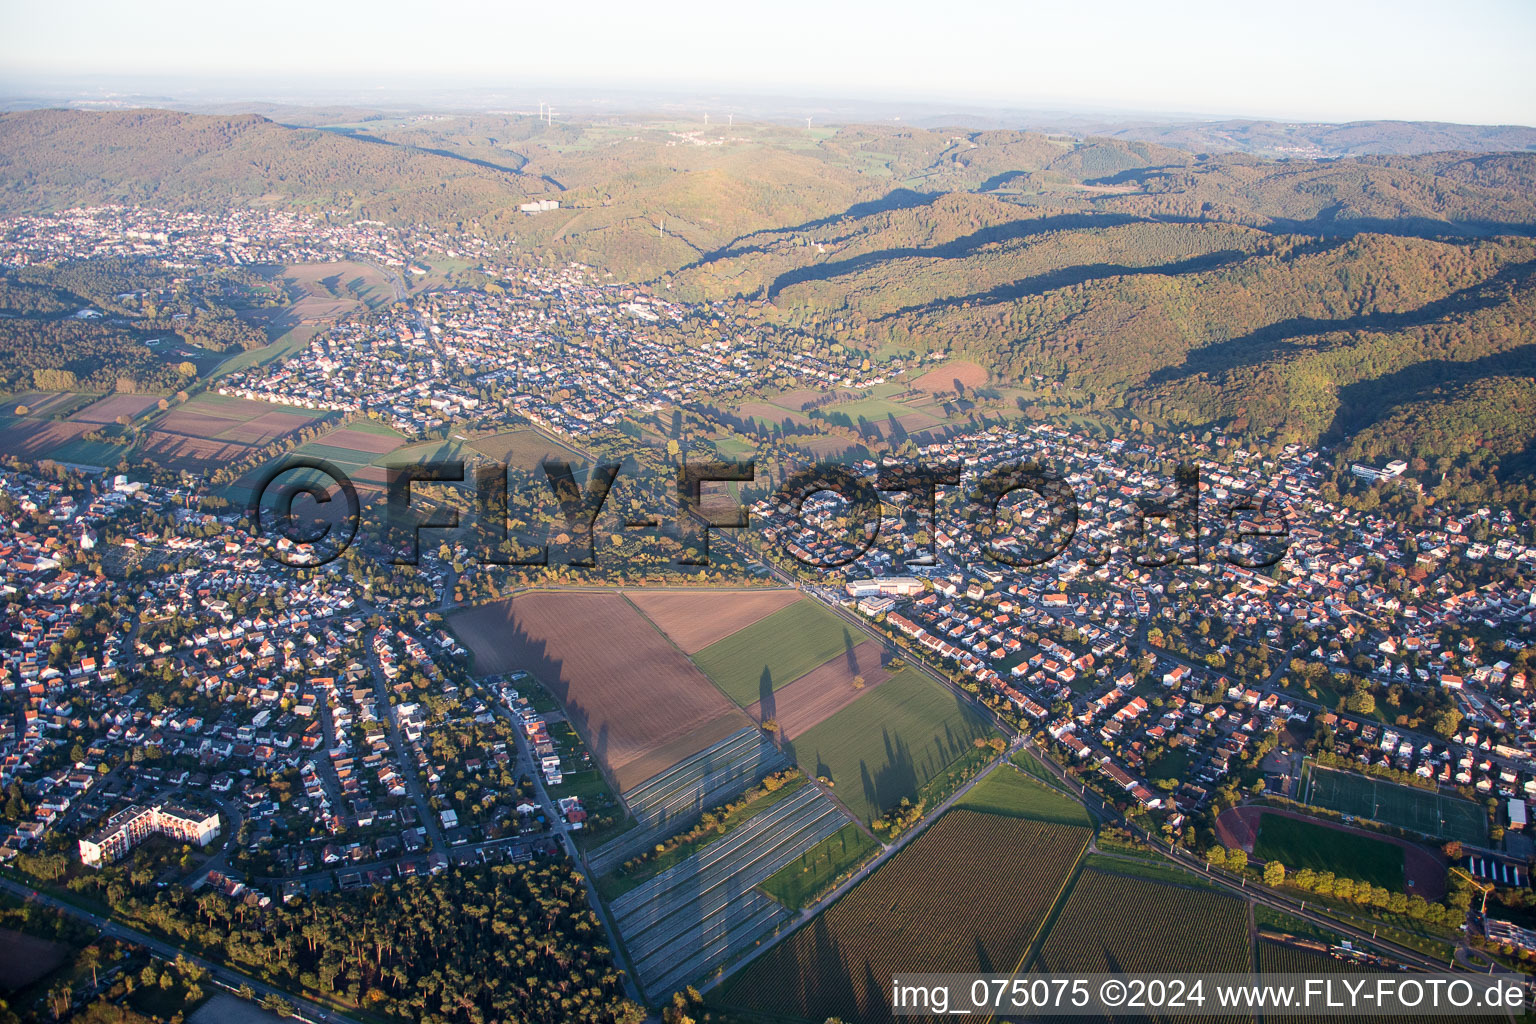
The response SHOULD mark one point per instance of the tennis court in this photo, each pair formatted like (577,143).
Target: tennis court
(1418,810)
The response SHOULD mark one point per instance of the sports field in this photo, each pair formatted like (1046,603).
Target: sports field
(887,744)
(1418,810)
(1302,844)
(755,661)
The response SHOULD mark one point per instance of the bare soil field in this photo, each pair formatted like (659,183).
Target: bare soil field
(269,426)
(26,958)
(824,691)
(694,619)
(32,438)
(110,408)
(638,703)
(362,440)
(944,378)
(524,449)
(196,454)
(189,422)
(716,503)
(212,429)
(371,478)
(233,419)
(329,290)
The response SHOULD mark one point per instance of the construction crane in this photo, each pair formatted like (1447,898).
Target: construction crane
(1483,887)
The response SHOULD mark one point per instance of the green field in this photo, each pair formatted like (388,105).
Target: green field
(1302,844)
(288,344)
(776,650)
(803,880)
(350,460)
(1009,791)
(890,742)
(1270,919)
(1152,868)
(1032,765)
(734,448)
(43,405)
(1418,810)
(878,409)
(90,453)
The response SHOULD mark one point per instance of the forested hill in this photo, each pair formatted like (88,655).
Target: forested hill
(1290,140)
(58,158)
(1317,299)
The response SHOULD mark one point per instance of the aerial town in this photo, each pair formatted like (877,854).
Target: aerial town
(276,734)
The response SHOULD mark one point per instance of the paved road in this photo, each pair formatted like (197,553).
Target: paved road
(308,1010)
(557,823)
(407,765)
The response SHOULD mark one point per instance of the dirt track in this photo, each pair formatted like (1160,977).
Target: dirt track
(1423,869)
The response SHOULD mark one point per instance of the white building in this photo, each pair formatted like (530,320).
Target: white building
(133,824)
(885,586)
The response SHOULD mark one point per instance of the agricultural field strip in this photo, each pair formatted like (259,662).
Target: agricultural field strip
(785,645)
(687,783)
(667,800)
(909,714)
(757,917)
(950,918)
(710,937)
(696,912)
(1278,958)
(1103,927)
(720,862)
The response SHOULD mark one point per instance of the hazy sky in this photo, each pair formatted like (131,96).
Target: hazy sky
(1468,61)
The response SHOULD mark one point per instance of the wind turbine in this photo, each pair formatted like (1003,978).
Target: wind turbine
(807,124)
